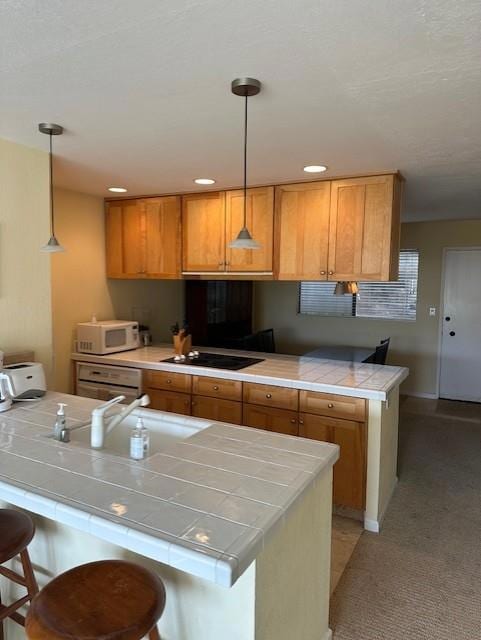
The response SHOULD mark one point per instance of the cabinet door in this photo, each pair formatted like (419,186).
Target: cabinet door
(171,401)
(203,232)
(350,470)
(302,231)
(260,222)
(125,239)
(364,229)
(271,419)
(215,409)
(162,237)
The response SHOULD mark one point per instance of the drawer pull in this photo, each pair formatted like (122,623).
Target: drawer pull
(293,420)
(301,421)
(169,381)
(215,387)
(330,406)
(268,396)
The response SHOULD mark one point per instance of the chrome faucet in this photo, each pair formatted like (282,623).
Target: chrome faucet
(102,426)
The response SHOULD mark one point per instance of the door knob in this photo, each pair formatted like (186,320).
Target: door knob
(452,333)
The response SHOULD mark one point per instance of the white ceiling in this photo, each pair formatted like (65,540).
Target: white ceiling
(143,90)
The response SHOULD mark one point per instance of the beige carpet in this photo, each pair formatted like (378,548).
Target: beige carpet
(420,579)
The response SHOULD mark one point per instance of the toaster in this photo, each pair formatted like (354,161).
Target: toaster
(28,380)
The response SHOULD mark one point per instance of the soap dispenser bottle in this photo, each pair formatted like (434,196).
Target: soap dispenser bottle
(60,422)
(145,435)
(137,442)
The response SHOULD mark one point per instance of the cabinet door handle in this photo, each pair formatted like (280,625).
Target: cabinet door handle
(168,381)
(268,396)
(227,264)
(323,273)
(301,421)
(293,420)
(215,387)
(221,264)
(331,273)
(330,405)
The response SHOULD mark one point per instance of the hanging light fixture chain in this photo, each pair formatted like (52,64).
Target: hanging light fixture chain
(245,162)
(52,230)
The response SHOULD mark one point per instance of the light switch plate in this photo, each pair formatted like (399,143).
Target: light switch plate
(432,311)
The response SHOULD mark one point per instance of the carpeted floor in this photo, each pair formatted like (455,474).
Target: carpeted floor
(420,579)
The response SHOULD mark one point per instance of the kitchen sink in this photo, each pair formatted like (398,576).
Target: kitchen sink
(164,428)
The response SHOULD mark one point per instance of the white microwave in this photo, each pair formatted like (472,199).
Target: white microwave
(107,336)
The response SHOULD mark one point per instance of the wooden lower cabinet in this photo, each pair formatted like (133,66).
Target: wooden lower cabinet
(217,409)
(350,469)
(172,401)
(271,419)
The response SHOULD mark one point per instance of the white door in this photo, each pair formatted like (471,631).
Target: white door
(461,326)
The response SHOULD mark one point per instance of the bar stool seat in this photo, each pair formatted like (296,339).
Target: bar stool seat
(16,532)
(109,599)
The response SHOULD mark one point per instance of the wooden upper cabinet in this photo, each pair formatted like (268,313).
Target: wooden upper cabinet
(302,230)
(364,228)
(260,222)
(143,238)
(203,232)
(162,237)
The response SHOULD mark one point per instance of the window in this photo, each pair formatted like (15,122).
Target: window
(391,300)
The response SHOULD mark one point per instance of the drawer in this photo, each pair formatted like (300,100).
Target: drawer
(217,387)
(334,406)
(216,409)
(271,419)
(271,396)
(171,401)
(168,381)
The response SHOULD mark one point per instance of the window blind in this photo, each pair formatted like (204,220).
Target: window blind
(392,300)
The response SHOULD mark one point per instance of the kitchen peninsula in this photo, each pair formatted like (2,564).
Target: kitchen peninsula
(354,405)
(218,512)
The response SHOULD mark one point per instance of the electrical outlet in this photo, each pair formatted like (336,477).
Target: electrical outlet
(432,311)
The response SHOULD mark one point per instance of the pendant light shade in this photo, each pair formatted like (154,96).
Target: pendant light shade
(346,288)
(53,245)
(245,87)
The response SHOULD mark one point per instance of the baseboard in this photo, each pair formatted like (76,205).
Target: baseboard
(420,394)
(374,526)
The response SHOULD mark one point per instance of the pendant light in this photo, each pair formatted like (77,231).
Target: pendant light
(245,87)
(53,245)
(345,288)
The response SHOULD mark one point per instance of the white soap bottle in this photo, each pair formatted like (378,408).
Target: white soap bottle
(145,435)
(137,444)
(61,420)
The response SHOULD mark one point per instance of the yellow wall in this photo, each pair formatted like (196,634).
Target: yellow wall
(80,287)
(25,318)
(79,284)
(413,344)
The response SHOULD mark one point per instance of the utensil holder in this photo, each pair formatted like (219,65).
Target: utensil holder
(182,345)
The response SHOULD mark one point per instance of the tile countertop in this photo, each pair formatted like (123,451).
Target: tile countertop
(357,379)
(204,505)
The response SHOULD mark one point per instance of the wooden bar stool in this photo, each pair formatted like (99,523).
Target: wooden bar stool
(110,599)
(16,532)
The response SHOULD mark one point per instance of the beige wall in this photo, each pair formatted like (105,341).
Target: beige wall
(25,318)
(413,344)
(79,284)
(80,287)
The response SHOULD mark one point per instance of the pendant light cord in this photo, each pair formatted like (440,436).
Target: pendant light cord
(52,230)
(245,163)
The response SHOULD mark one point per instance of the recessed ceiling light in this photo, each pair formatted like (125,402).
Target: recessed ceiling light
(117,189)
(315,168)
(204,181)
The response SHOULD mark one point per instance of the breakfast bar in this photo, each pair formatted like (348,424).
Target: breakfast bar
(216,510)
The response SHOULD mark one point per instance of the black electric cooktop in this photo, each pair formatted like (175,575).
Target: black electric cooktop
(216,361)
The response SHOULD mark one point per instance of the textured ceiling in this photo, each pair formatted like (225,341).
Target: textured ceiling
(143,90)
